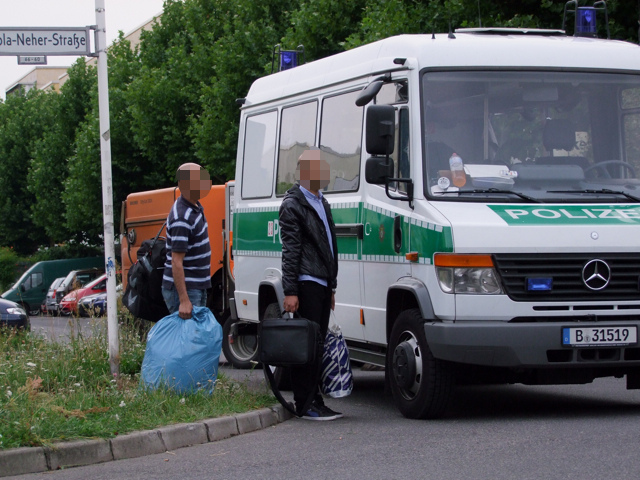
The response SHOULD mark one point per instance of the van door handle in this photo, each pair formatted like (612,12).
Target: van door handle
(397,234)
(350,230)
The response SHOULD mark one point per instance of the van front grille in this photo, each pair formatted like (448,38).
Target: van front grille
(566,272)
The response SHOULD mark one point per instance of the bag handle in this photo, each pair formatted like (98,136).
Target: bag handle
(158,234)
(278,394)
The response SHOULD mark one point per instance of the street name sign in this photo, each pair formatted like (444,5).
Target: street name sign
(34,41)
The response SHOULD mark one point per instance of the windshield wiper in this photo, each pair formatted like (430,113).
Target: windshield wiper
(602,191)
(502,191)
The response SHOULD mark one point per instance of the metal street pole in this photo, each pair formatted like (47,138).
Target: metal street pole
(107,190)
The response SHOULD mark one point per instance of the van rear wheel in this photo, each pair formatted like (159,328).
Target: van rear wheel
(421,384)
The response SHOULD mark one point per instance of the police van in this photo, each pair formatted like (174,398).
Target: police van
(486,193)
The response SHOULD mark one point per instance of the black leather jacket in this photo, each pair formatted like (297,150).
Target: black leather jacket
(305,246)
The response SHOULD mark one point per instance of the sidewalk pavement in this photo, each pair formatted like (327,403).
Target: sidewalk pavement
(19,461)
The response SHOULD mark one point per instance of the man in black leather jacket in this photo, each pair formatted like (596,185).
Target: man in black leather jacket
(309,269)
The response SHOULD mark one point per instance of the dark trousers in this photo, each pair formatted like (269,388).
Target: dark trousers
(315,305)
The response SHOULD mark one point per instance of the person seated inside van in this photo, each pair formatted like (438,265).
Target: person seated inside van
(560,134)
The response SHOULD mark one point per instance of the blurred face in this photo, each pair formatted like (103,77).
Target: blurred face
(314,171)
(194,182)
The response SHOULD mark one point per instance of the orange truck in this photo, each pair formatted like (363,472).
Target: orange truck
(144,213)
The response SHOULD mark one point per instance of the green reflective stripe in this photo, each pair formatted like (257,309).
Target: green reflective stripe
(429,238)
(256,232)
(347,213)
(569,214)
(378,235)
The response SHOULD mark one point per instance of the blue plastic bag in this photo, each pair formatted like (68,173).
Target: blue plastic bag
(183,354)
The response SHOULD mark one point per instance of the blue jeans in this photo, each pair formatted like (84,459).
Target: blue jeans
(197,297)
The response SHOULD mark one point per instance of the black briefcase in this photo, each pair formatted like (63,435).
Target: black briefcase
(286,342)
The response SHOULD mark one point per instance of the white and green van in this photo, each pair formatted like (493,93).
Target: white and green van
(521,267)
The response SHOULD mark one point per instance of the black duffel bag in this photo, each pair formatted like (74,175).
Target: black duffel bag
(289,342)
(143,295)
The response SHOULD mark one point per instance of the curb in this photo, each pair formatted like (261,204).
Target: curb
(19,461)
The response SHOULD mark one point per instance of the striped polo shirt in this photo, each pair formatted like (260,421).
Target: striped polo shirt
(187,232)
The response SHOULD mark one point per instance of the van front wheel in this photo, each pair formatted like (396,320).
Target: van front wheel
(421,384)
(240,344)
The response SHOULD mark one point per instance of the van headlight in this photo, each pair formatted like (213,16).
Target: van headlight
(470,274)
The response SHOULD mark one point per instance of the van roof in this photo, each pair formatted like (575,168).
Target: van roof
(470,48)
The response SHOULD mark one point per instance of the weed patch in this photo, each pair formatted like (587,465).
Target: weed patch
(52,391)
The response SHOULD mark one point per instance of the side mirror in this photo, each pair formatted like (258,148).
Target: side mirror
(378,169)
(381,129)
(22,289)
(368,92)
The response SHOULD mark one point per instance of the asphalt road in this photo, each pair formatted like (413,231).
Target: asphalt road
(491,432)
(61,328)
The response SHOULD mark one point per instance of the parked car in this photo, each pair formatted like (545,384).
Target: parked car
(76,279)
(13,315)
(96,305)
(51,305)
(69,304)
(86,306)
(30,290)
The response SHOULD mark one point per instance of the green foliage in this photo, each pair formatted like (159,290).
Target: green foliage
(8,268)
(69,250)
(238,56)
(49,168)
(23,120)
(172,100)
(323,25)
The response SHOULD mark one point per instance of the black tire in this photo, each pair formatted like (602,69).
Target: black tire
(282,375)
(421,384)
(243,352)
(31,312)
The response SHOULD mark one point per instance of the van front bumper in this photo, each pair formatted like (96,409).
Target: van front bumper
(503,344)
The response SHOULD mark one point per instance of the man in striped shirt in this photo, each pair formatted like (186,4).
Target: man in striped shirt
(187,268)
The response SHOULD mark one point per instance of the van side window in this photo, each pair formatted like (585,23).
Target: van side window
(393,93)
(297,134)
(34,280)
(341,140)
(259,155)
(400,155)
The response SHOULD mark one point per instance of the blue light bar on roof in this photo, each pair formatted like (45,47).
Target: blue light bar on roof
(586,22)
(288,59)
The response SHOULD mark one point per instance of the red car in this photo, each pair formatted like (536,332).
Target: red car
(69,304)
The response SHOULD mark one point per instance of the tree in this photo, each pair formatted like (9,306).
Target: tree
(49,169)
(24,119)
(239,56)
(131,171)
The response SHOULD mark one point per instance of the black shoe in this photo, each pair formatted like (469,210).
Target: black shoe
(323,408)
(320,414)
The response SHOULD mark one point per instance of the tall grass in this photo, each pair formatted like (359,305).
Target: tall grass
(53,391)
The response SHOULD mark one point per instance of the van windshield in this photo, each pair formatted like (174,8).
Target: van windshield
(530,136)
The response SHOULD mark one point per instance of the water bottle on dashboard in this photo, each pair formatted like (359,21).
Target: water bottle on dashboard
(458,177)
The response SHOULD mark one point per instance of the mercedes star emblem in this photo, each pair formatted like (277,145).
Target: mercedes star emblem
(596,274)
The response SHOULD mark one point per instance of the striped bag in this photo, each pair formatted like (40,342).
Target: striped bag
(337,378)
